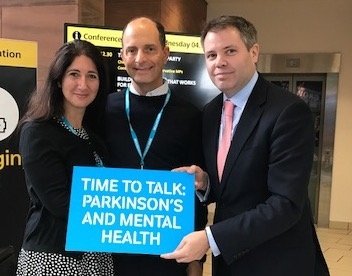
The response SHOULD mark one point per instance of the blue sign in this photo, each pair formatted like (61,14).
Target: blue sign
(129,210)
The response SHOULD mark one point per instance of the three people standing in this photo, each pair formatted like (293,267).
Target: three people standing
(262,223)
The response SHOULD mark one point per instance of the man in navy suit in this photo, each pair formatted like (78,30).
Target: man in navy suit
(263,222)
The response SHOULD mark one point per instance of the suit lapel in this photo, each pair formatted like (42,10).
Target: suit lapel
(249,119)
(211,133)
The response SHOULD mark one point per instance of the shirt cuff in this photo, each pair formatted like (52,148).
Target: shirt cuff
(203,197)
(213,246)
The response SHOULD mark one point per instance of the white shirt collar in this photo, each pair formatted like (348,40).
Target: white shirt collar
(241,97)
(161,90)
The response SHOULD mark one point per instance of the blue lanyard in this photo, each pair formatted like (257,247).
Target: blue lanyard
(152,131)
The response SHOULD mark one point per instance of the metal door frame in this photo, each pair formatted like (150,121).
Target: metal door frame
(329,64)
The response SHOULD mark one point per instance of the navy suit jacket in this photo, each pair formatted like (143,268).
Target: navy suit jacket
(263,223)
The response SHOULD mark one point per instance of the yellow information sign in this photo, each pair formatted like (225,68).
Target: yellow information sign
(184,44)
(18,53)
(104,37)
(98,36)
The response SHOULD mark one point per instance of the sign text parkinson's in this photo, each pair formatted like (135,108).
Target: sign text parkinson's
(129,211)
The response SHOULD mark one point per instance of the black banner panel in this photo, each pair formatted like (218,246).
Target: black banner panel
(185,70)
(18,74)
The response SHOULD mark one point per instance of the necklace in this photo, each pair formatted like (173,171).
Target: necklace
(81,133)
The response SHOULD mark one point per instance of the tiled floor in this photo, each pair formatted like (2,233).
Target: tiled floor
(337,248)
(336,245)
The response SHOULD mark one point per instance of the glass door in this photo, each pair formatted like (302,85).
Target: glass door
(310,88)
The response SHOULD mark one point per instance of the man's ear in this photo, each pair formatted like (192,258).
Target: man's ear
(255,52)
(121,53)
(166,53)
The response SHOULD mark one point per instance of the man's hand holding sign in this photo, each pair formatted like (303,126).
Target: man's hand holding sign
(187,244)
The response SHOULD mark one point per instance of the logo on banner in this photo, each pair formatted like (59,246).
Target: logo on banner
(76,35)
(9,114)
